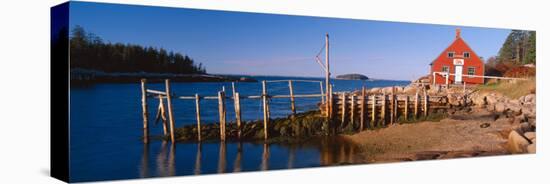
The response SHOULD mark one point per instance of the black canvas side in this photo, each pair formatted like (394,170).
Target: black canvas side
(59,91)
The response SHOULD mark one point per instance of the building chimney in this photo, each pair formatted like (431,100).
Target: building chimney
(457,33)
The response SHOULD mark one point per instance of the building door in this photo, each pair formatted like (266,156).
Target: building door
(458,74)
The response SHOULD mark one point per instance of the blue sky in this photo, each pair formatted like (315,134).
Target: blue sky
(268,44)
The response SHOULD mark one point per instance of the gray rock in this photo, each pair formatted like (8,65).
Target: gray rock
(514,107)
(530,135)
(375,90)
(532,148)
(530,98)
(517,143)
(490,99)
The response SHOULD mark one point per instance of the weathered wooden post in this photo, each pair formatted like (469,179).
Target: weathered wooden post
(406,107)
(426,106)
(352,110)
(170,109)
(292,105)
(221,108)
(163,115)
(363,106)
(383,113)
(343,96)
(237,101)
(392,105)
(322,93)
(145,112)
(198,113)
(433,78)
(447,80)
(416,105)
(373,115)
(264,102)
(327,72)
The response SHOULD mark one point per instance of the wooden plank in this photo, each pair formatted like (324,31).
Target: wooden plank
(392,105)
(322,93)
(144,110)
(264,102)
(238,114)
(292,105)
(222,114)
(170,109)
(198,116)
(156,92)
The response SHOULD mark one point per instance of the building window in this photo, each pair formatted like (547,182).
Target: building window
(445,69)
(471,71)
(450,54)
(466,54)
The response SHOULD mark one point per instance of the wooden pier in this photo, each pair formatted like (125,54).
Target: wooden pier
(359,109)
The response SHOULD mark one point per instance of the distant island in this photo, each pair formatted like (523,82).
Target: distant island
(353,76)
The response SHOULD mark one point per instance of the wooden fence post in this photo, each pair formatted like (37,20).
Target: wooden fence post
(363,106)
(266,116)
(144,111)
(237,101)
(170,109)
(292,105)
(198,113)
(221,108)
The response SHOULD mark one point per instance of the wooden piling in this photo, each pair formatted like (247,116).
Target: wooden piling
(426,106)
(406,107)
(222,112)
(264,102)
(373,113)
(198,113)
(352,110)
(292,105)
(392,105)
(363,106)
(145,112)
(163,115)
(238,114)
(416,105)
(343,107)
(383,113)
(170,110)
(322,93)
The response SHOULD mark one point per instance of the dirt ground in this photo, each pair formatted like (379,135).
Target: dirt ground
(460,135)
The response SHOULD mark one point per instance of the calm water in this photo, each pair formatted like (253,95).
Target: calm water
(106,130)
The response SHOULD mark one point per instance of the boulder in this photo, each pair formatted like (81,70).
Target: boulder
(501,107)
(517,143)
(530,98)
(530,135)
(375,90)
(409,89)
(514,107)
(532,148)
(491,99)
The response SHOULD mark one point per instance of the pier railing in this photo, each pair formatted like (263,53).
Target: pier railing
(166,115)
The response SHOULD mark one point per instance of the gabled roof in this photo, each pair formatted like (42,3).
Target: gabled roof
(457,38)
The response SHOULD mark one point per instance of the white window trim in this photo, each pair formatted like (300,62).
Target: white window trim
(464,54)
(468,71)
(449,53)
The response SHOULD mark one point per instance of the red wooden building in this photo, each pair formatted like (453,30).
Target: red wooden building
(460,61)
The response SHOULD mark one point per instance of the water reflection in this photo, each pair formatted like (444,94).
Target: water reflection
(198,159)
(265,158)
(144,169)
(238,159)
(222,162)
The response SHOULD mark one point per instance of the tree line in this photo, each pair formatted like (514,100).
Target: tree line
(518,49)
(88,51)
